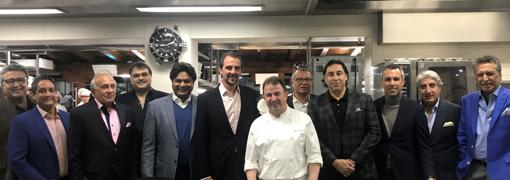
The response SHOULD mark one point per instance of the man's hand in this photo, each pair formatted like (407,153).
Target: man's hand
(207,178)
(344,166)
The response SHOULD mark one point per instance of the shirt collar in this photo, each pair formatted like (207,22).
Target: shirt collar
(42,111)
(223,90)
(99,105)
(495,92)
(179,100)
(295,100)
(436,106)
(284,114)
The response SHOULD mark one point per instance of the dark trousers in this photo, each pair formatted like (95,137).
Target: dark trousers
(183,172)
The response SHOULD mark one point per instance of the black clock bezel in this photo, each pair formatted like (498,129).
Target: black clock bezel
(176,45)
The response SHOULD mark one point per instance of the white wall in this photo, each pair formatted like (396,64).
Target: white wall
(218,29)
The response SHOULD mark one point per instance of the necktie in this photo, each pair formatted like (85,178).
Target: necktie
(107,116)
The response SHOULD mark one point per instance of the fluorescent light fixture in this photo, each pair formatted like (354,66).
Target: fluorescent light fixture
(124,75)
(185,9)
(137,53)
(356,51)
(29,11)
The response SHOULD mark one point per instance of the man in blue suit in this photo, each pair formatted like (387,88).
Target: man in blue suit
(37,146)
(485,122)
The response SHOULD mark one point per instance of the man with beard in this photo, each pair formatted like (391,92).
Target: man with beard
(101,136)
(37,140)
(168,128)
(301,82)
(484,129)
(137,99)
(443,119)
(282,144)
(14,79)
(347,125)
(224,117)
(404,151)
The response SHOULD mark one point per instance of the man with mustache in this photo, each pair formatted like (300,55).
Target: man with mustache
(443,121)
(140,96)
(404,151)
(224,117)
(347,125)
(283,143)
(484,128)
(38,137)
(14,79)
(101,136)
(169,126)
(301,82)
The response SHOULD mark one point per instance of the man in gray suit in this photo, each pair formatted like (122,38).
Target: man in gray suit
(168,128)
(14,79)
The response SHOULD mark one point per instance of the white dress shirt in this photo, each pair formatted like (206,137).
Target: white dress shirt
(179,101)
(298,105)
(282,148)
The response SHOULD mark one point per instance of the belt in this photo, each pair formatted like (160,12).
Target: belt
(481,162)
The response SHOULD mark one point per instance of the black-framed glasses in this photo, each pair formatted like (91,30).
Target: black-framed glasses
(14,80)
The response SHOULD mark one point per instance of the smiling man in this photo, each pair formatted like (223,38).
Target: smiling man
(404,151)
(443,119)
(484,129)
(14,79)
(168,128)
(38,137)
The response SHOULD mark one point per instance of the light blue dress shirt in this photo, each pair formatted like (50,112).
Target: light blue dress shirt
(432,117)
(483,124)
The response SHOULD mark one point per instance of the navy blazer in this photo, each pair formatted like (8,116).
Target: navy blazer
(31,150)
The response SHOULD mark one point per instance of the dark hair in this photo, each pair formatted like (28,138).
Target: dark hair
(13,67)
(273,80)
(302,69)
(394,66)
(488,59)
(233,54)
(141,65)
(335,61)
(35,83)
(180,67)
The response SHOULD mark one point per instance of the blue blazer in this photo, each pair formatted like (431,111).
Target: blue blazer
(498,139)
(31,151)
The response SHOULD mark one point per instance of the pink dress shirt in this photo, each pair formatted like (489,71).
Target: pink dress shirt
(59,137)
(114,121)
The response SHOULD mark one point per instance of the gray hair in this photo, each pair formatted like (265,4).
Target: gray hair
(429,74)
(302,69)
(101,73)
(488,59)
(393,67)
(13,67)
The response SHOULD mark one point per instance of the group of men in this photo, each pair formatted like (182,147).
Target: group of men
(340,134)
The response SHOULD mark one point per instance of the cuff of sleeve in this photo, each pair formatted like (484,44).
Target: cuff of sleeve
(315,159)
(250,165)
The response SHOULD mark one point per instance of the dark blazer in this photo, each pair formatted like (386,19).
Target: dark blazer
(409,146)
(92,152)
(32,153)
(356,140)
(444,140)
(290,100)
(217,151)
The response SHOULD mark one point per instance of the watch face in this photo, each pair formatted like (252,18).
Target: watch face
(166,45)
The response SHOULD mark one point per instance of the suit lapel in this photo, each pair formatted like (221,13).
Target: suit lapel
(194,112)
(498,107)
(170,114)
(99,119)
(121,112)
(41,125)
(221,110)
(328,111)
(379,105)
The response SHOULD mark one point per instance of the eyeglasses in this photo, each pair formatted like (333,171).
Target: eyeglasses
(300,80)
(14,80)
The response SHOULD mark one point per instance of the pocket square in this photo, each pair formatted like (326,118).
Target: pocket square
(506,112)
(448,124)
(128,124)
(358,110)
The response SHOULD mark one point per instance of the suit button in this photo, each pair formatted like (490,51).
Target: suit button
(468,163)
(472,146)
(115,149)
(175,161)
(176,146)
(114,166)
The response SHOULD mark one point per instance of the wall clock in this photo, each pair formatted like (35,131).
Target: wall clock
(166,45)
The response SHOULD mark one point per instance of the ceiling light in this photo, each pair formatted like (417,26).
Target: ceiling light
(356,51)
(184,9)
(29,11)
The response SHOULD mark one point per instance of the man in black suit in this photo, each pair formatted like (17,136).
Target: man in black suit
(301,82)
(443,119)
(404,151)
(224,116)
(347,126)
(141,95)
(100,141)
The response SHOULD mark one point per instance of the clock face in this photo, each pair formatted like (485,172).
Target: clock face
(165,45)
